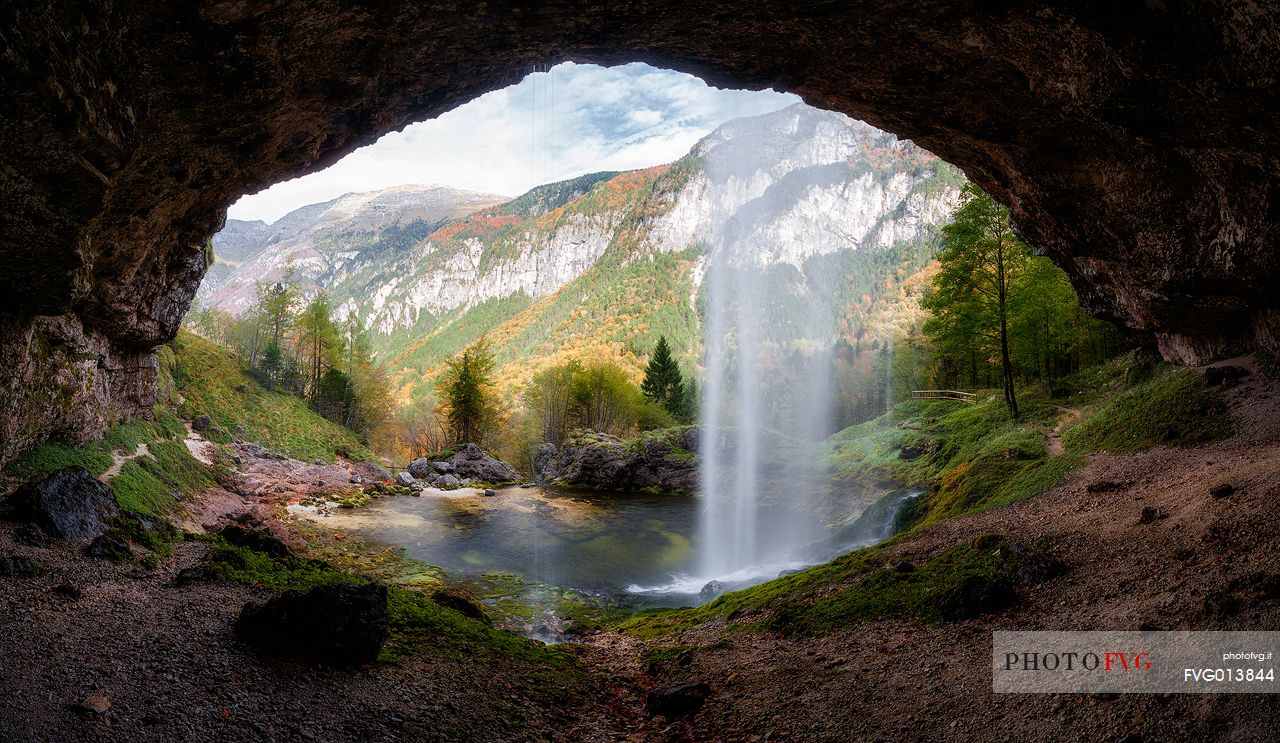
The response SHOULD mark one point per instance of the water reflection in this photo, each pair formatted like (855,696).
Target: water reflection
(639,549)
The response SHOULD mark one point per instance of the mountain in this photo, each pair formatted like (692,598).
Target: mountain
(600,265)
(319,239)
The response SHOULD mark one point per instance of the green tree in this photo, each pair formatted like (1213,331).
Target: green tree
(549,400)
(663,382)
(969,299)
(467,396)
(318,342)
(605,400)
(278,303)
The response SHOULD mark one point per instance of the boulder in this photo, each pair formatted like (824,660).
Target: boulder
(657,462)
(462,602)
(109,547)
(338,624)
(543,460)
(421,468)
(677,701)
(1226,376)
(405,479)
(256,540)
(70,503)
(448,482)
(17,566)
(201,423)
(712,589)
(443,468)
(473,462)
(490,493)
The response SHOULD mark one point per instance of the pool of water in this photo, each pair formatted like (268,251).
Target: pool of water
(637,548)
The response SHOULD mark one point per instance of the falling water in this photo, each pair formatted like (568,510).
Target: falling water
(766,400)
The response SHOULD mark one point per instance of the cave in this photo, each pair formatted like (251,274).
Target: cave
(1132,143)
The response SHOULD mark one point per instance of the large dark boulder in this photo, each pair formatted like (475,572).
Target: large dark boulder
(421,468)
(657,462)
(676,701)
(473,462)
(339,624)
(70,503)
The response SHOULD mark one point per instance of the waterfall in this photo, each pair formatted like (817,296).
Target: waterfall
(766,401)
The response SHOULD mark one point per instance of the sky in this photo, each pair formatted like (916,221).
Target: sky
(551,126)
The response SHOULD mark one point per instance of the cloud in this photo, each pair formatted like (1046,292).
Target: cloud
(572,120)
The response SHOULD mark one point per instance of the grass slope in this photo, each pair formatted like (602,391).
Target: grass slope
(210,379)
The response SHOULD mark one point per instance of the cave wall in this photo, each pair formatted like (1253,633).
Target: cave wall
(1134,142)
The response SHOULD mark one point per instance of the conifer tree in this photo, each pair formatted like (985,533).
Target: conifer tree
(663,382)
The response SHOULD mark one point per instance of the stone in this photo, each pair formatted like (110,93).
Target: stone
(109,547)
(1106,486)
(96,705)
(30,535)
(902,566)
(680,700)
(67,592)
(420,468)
(1222,490)
(201,423)
(1226,376)
(448,482)
(443,468)
(18,566)
(462,602)
(405,479)
(1151,514)
(256,540)
(370,472)
(473,462)
(194,575)
(70,503)
(336,624)
(490,493)
(603,462)
(712,589)
(543,459)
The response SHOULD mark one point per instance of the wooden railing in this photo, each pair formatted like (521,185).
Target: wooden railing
(943,395)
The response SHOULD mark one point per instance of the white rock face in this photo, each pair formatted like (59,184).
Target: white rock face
(311,240)
(787,185)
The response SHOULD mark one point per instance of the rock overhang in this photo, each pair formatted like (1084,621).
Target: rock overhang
(1134,145)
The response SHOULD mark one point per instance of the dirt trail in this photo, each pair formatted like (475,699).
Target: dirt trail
(1053,443)
(199,447)
(118,460)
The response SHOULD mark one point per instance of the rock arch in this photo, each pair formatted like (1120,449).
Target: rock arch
(1136,146)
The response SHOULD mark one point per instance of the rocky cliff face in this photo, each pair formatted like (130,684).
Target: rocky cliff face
(1126,138)
(338,237)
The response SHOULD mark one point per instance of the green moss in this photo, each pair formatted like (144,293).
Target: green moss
(157,536)
(95,455)
(963,581)
(50,457)
(172,464)
(138,490)
(1174,406)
